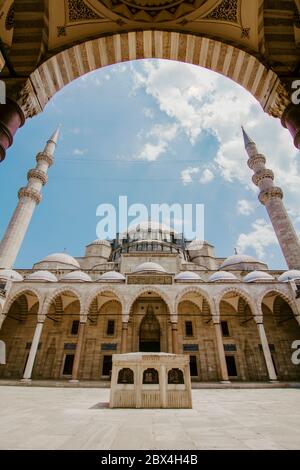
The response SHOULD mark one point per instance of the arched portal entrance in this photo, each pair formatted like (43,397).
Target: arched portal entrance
(149,335)
(149,326)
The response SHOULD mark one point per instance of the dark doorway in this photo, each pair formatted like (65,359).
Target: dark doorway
(193,366)
(107,365)
(149,332)
(68,365)
(231,366)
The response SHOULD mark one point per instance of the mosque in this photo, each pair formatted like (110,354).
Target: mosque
(152,291)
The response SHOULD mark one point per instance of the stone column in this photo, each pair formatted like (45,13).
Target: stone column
(78,352)
(175,338)
(291,121)
(2,318)
(163,386)
(11,118)
(272,198)
(124,337)
(266,351)
(33,351)
(221,352)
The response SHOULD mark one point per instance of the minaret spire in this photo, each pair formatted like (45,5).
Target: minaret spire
(29,198)
(271,197)
(247,139)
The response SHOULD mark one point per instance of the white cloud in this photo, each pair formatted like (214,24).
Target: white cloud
(200,102)
(79,152)
(261,237)
(159,138)
(207,176)
(148,112)
(245,207)
(187,175)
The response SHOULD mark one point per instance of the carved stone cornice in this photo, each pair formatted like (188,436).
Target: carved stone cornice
(258,159)
(38,174)
(46,157)
(272,193)
(262,174)
(31,193)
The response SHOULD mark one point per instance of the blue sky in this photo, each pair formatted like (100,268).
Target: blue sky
(157,132)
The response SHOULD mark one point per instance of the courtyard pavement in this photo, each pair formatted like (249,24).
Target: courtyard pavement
(78,418)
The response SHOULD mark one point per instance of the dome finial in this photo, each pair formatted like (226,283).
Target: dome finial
(247,139)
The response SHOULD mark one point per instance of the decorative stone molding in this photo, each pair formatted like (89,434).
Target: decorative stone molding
(235,290)
(271,193)
(43,156)
(258,159)
(31,193)
(37,174)
(59,70)
(100,290)
(227,10)
(262,174)
(79,11)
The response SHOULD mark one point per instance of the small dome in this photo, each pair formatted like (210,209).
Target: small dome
(149,267)
(222,276)
(100,242)
(44,276)
(238,259)
(258,276)
(6,274)
(61,258)
(292,275)
(112,276)
(79,276)
(187,276)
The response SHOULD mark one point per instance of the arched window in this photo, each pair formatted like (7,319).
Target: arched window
(150,377)
(175,376)
(125,376)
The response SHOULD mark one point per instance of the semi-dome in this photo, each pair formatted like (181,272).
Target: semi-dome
(222,276)
(44,276)
(188,276)
(6,274)
(292,275)
(149,267)
(76,276)
(111,276)
(59,261)
(255,276)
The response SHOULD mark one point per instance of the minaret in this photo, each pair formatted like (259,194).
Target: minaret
(272,198)
(29,197)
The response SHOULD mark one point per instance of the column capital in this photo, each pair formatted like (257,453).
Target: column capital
(11,119)
(291,121)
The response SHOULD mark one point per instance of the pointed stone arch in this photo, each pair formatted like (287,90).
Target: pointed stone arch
(193,290)
(63,290)
(236,64)
(98,291)
(20,292)
(238,291)
(144,290)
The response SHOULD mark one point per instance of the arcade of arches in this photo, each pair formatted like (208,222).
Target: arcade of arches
(45,45)
(233,343)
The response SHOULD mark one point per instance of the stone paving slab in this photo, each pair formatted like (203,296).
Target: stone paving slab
(78,418)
